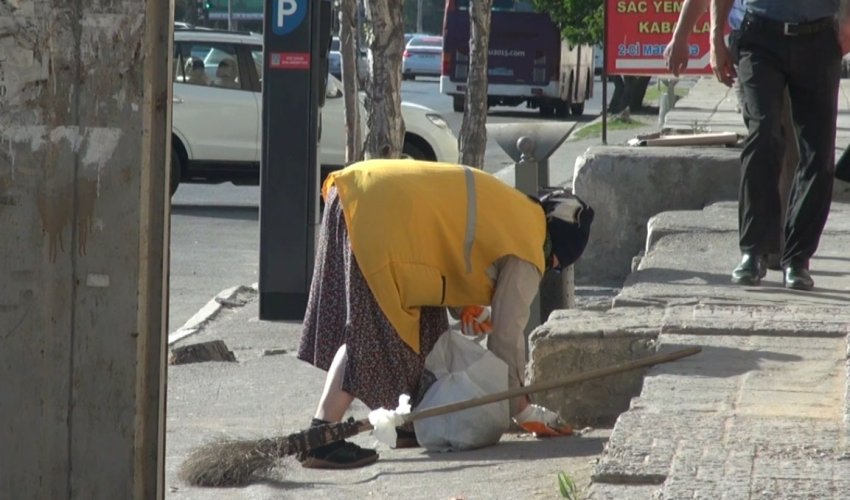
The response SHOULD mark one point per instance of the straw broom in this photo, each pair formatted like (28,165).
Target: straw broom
(236,462)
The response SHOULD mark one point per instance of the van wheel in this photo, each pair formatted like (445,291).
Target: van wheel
(176,170)
(577,108)
(457,103)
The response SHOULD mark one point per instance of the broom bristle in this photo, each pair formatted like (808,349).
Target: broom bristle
(230,462)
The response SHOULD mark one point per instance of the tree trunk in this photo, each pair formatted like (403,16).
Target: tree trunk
(350,86)
(385,138)
(473,132)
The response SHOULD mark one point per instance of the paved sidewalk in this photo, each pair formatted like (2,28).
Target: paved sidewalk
(762,412)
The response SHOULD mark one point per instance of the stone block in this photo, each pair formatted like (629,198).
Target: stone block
(215,350)
(574,341)
(627,186)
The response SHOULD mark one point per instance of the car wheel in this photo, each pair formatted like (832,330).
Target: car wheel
(413,151)
(176,170)
(457,103)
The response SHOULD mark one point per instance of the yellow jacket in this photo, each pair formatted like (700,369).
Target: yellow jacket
(425,233)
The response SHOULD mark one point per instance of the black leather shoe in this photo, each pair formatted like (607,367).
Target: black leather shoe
(750,271)
(798,277)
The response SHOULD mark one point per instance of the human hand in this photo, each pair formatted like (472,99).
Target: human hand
(475,320)
(542,422)
(676,55)
(844,35)
(721,63)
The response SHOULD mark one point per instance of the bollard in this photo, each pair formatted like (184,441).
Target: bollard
(530,146)
(667,100)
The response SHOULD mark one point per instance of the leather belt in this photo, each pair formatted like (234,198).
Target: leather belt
(790,29)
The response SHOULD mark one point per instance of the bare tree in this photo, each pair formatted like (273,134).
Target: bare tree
(385,138)
(473,132)
(350,83)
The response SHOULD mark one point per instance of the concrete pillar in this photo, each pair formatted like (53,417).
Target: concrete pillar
(84,143)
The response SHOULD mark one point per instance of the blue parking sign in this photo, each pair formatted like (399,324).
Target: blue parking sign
(288,15)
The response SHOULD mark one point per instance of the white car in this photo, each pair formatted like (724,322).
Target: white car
(217,119)
(423,56)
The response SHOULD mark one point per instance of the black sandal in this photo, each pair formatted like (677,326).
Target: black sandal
(339,455)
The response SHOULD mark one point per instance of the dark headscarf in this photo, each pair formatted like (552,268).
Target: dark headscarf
(568,220)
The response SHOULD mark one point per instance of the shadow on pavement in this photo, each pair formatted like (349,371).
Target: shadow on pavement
(720,362)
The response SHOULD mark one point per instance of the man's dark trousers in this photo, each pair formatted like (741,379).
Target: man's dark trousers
(809,66)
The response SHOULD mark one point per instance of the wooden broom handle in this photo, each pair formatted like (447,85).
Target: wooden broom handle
(552,384)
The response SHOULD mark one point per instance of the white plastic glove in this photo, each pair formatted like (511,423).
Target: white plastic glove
(385,421)
(542,422)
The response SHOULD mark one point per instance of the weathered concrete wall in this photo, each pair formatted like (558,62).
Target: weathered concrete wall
(83,141)
(627,186)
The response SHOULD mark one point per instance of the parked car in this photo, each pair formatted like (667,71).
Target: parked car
(335,61)
(217,119)
(423,56)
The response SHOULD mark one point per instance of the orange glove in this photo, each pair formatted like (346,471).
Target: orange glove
(475,320)
(542,422)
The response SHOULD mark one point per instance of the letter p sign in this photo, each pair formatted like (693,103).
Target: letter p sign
(288,15)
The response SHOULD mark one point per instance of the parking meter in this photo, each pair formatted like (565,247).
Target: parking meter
(296,43)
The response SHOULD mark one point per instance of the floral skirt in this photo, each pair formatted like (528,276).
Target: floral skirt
(342,310)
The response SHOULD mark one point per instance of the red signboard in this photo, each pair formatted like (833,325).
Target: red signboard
(638,31)
(289,60)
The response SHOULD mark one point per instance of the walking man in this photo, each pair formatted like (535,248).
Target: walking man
(782,45)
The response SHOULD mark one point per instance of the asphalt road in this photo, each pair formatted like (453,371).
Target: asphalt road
(214,228)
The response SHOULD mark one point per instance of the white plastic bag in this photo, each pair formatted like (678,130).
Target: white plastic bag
(464,370)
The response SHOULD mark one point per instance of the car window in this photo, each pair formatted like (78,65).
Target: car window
(335,44)
(426,41)
(257,57)
(207,64)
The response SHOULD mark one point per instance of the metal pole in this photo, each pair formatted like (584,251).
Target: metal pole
(667,101)
(605,74)
(419,16)
(543,173)
(526,178)
(526,172)
(229,15)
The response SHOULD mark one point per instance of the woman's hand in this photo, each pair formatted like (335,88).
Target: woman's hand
(475,320)
(542,422)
